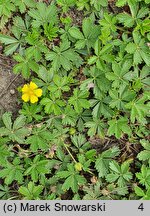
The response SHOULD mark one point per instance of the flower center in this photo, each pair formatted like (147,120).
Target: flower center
(31,92)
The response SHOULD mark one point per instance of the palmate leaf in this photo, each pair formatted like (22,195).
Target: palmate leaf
(24,4)
(17,41)
(96,127)
(36,50)
(103,160)
(79,100)
(98,3)
(60,84)
(38,166)
(31,112)
(121,3)
(102,55)
(43,14)
(80,141)
(144,176)
(73,179)
(37,45)
(145,154)
(63,56)
(138,49)
(97,80)
(50,31)
(136,13)
(121,96)
(66,4)
(40,139)
(89,35)
(140,192)
(31,192)
(4,150)
(21,27)
(119,173)
(127,19)
(139,110)
(69,116)
(44,79)
(6,8)
(15,132)
(119,127)
(25,64)
(119,70)
(12,172)
(52,105)
(108,23)
(101,108)
(11,44)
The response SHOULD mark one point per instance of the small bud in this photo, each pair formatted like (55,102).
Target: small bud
(72,131)
(78,166)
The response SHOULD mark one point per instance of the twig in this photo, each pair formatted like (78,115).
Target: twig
(5,65)
(5,90)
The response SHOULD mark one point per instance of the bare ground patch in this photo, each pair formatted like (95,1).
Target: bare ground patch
(9,83)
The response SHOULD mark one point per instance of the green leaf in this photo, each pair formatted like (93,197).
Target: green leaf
(50,31)
(90,33)
(145,154)
(79,100)
(52,105)
(139,110)
(19,122)
(25,65)
(39,139)
(36,168)
(144,176)
(103,160)
(119,174)
(120,3)
(6,8)
(118,127)
(73,179)
(7,120)
(131,47)
(4,150)
(75,32)
(63,56)
(126,19)
(7,39)
(43,14)
(60,84)
(79,141)
(139,49)
(139,191)
(24,4)
(96,127)
(12,172)
(69,116)
(31,192)
(17,132)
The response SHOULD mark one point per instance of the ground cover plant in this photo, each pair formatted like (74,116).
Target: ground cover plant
(82,127)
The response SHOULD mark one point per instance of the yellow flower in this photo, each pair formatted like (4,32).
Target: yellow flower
(31,92)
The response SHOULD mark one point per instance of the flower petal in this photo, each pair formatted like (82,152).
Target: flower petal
(33,99)
(38,92)
(25,88)
(33,85)
(25,97)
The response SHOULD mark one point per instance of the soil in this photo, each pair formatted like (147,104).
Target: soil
(9,83)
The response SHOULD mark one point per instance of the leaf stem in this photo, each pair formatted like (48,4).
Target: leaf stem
(66,147)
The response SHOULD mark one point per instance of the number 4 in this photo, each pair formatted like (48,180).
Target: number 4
(141,207)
